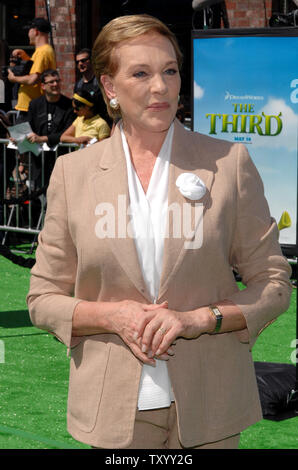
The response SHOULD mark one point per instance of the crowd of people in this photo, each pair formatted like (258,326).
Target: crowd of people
(34,94)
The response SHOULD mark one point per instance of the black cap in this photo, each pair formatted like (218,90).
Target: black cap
(40,24)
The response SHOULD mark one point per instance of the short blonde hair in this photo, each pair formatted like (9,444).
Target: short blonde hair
(116,31)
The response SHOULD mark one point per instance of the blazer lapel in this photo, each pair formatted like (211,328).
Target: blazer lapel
(111,189)
(184,159)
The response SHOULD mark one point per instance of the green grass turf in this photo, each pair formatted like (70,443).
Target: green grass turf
(34,376)
(275,345)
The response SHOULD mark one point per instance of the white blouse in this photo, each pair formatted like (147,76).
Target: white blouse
(148,220)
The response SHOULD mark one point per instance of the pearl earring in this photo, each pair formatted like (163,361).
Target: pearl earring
(114,103)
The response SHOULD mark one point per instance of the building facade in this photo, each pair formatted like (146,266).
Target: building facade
(76,23)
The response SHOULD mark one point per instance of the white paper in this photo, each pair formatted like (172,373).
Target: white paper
(19,133)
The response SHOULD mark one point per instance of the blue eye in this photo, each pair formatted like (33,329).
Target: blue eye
(171,71)
(139,74)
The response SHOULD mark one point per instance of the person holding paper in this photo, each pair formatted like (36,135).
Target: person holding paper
(48,117)
(50,114)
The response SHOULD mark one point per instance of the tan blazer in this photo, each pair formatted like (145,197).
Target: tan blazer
(213,376)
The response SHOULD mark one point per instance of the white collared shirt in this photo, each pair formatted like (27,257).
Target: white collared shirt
(149,216)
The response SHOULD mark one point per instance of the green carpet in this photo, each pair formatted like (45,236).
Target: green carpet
(34,376)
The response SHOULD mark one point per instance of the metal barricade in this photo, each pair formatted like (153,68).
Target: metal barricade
(23,184)
(12,115)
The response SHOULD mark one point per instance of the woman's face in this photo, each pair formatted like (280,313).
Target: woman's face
(147,82)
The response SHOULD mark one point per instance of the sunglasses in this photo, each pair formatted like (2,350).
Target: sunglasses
(82,60)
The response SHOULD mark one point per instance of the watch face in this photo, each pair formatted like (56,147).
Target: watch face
(218,317)
(217,312)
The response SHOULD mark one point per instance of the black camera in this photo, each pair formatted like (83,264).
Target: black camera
(21,67)
(4,71)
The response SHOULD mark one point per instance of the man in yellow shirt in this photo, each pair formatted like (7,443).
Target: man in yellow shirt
(43,58)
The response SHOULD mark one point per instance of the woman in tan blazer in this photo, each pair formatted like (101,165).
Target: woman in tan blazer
(134,267)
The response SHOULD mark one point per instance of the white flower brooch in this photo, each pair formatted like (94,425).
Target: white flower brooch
(191,186)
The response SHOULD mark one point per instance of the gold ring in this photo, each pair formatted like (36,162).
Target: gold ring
(162,331)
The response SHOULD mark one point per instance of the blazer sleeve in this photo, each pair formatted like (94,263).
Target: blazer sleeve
(256,253)
(50,298)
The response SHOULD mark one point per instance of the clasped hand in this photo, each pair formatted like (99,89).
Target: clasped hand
(150,330)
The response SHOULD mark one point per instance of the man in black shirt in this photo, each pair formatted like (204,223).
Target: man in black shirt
(88,81)
(50,114)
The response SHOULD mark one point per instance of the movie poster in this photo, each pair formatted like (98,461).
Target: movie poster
(245,89)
